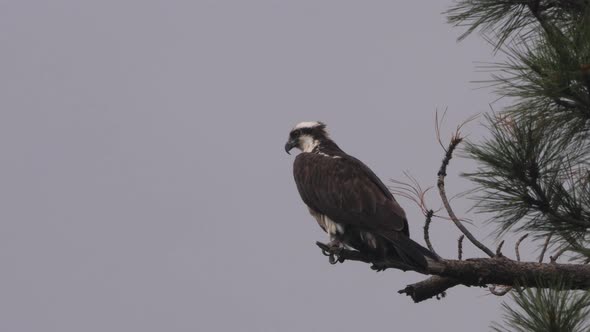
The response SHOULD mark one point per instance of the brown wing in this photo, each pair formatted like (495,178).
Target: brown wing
(348,192)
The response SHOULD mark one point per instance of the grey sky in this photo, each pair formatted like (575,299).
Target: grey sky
(144,182)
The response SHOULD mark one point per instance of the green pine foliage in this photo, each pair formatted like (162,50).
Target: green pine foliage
(533,171)
(501,19)
(550,309)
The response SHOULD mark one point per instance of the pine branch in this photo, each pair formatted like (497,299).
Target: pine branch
(528,179)
(548,308)
(427,222)
(442,173)
(478,272)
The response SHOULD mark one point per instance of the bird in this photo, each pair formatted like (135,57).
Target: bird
(349,202)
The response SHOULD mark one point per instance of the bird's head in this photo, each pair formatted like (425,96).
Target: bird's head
(306,136)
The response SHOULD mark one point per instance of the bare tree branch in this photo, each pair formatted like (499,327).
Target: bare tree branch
(499,249)
(542,256)
(475,272)
(442,173)
(506,289)
(554,258)
(437,124)
(429,288)
(460,246)
(517,245)
(427,222)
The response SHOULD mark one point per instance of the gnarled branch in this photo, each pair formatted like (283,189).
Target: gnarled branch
(517,246)
(442,173)
(427,222)
(460,246)
(479,272)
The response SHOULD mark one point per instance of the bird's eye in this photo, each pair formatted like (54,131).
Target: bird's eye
(295,133)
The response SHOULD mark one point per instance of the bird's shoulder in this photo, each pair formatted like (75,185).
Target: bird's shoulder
(340,158)
(339,165)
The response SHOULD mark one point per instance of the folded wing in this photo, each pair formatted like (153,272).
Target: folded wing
(348,192)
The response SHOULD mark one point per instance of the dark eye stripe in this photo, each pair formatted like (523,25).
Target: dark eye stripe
(302,131)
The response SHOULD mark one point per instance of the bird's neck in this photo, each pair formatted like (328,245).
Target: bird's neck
(326,146)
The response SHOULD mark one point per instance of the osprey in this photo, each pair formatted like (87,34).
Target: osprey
(348,200)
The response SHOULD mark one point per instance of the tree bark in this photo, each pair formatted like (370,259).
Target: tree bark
(479,272)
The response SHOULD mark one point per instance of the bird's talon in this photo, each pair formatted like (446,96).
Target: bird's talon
(333,259)
(334,251)
(378,268)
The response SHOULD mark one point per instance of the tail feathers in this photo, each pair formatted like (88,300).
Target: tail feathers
(409,251)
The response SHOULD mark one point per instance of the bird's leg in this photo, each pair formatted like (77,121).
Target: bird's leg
(336,248)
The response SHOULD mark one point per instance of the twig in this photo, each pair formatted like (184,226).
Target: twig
(460,246)
(427,222)
(517,245)
(437,124)
(428,288)
(412,191)
(441,188)
(499,249)
(545,247)
(554,258)
(506,289)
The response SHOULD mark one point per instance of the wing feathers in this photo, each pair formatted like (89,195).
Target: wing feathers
(348,192)
(410,252)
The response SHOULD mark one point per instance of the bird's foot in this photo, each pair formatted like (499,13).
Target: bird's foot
(378,267)
(334,248)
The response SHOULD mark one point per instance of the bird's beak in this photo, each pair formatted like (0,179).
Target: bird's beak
(291,143)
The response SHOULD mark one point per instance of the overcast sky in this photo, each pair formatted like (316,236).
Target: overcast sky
(144,184)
